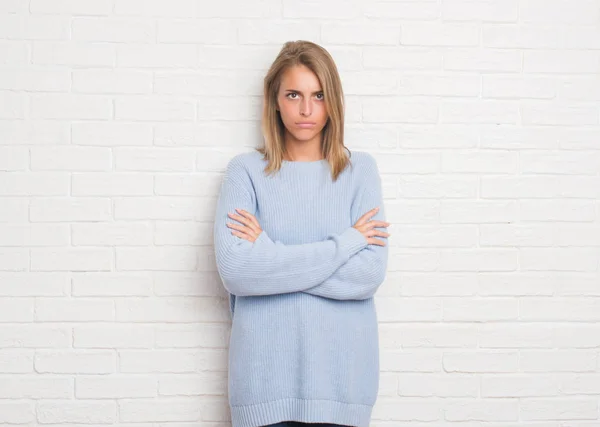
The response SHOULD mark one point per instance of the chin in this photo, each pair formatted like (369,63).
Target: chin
(305,137)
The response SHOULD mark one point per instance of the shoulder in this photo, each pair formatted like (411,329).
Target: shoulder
(244,161)
(241,168)
(365,165)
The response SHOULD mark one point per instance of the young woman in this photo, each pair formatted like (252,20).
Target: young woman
(301,247)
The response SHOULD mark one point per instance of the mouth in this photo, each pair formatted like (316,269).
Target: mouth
(306,124)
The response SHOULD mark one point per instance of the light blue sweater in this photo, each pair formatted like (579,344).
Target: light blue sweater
(304,342)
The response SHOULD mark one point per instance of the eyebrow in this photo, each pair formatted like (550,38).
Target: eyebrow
(295,90)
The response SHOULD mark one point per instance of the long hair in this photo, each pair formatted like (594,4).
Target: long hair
(320,62)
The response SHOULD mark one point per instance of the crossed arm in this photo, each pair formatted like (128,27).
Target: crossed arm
(343,266)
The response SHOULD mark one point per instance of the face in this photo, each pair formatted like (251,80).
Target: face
(299,100)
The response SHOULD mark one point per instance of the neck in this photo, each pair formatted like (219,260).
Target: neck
(305,151)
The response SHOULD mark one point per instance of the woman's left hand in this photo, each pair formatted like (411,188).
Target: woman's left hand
(251,228)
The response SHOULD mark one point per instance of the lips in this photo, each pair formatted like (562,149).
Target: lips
(306,124)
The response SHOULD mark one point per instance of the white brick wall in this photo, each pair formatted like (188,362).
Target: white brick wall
(117,118)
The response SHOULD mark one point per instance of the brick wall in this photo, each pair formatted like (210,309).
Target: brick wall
(117,118)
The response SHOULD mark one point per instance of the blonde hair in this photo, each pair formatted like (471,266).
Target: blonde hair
(320,62)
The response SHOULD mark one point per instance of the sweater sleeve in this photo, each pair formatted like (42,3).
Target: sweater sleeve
(265,267)
(361,276)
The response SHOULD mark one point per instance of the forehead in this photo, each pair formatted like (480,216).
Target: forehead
(300,78)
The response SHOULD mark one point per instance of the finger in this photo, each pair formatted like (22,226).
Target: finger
(377,223)
(242,235)
(249,216)
(374,232)
(238,218)
(380,233)
(241,228)
(371,213)
(250,220)
(241,219)
(376,242)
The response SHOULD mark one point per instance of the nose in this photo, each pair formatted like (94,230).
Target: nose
(305,107)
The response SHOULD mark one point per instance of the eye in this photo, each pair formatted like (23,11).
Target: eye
(292,93)
(322,95)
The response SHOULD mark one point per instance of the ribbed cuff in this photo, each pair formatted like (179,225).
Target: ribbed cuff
(263,237)
(352,241)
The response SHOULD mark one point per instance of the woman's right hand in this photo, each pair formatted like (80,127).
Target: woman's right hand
(366,227)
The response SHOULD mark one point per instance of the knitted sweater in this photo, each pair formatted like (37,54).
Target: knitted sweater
(304,341)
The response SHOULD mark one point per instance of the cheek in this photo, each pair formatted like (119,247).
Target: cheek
(323,113)
(285,112)
(287,105)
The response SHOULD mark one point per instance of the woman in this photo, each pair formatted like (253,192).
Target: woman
(300,246)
